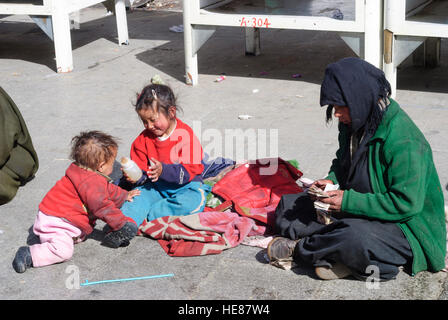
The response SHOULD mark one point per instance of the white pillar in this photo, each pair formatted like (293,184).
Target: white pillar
(62,38)
(390,71)
(394,15)
(373,32)
(191,57)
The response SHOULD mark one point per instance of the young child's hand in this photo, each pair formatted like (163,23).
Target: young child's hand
(127,178)
(155,170)
(132,194)
(121,237)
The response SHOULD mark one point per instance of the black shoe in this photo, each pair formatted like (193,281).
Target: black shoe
(281,249)
(120,238)
(22,260)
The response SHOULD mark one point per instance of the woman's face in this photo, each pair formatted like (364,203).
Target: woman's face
(343,114)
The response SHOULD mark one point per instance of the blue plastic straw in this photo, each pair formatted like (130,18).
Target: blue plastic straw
(87,283)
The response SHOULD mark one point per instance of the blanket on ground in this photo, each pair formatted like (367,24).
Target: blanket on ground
(256,188)
(250,192)
(201,233)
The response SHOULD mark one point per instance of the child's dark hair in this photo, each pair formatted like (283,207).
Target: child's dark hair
(160,93)
(91,148)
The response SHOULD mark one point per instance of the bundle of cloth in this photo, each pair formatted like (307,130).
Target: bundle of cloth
(201,233)
(250,193)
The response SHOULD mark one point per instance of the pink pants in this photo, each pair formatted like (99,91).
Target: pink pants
(56,240)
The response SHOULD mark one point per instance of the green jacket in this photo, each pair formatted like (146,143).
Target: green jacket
(406,188)
(18,159)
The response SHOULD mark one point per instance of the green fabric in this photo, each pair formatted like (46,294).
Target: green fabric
(18,159)
(294,163)
(406,188)
(212,200)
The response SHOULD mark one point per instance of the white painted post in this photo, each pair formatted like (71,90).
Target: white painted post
(122,24)
(373,32)
(191,57)
(390,72)
(394,15)
(62,38)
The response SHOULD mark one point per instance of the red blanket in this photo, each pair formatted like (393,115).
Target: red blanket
(255,189)
(201,233)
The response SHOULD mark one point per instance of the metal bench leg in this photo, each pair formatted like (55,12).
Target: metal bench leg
(62,42)
(253,47)
(191,57)
(432,52)
(373,33)
(122,24)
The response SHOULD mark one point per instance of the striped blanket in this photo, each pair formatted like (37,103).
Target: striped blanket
(201,233)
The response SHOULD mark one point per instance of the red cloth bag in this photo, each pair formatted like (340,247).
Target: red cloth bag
(255,189)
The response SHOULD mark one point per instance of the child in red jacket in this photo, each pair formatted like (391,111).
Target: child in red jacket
(170,157)
(68,212)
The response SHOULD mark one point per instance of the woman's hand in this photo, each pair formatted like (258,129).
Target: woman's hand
(335,200)
(132,194)
(321,183)
(155,170)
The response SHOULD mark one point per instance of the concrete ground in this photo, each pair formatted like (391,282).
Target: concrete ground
(99,94)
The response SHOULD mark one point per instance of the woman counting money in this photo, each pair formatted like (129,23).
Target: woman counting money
(389,209)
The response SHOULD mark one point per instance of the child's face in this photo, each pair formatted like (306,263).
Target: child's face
(107,167)
(157,122)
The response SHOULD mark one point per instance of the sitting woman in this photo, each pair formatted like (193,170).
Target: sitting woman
(389,210)
(18,158)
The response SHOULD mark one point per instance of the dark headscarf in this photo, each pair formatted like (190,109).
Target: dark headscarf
(357,84)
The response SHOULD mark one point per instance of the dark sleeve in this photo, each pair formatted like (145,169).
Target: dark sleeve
(142,179)
(175,173)
(336,170)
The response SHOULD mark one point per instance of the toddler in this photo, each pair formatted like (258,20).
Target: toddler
(170,156)
(68,212)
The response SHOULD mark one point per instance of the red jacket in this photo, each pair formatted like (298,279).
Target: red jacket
(180,154)
(82,196)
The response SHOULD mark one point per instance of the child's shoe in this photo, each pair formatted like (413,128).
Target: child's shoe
(120,238)
(23,260)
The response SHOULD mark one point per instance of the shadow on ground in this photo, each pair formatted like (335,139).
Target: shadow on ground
(286,54)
